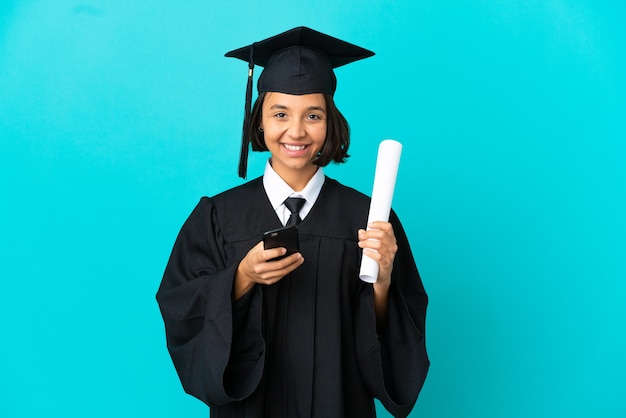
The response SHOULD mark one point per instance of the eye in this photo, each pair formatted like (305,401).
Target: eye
(280,115)
(314,116)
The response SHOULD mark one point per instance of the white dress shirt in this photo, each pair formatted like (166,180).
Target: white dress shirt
(277,191)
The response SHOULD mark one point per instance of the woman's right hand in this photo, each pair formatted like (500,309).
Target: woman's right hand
(255,268)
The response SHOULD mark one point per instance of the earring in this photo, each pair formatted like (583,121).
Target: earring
(260,129)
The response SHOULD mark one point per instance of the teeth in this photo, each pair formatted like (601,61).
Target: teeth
(294,147)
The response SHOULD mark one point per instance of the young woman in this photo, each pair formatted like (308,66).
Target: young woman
(300,336)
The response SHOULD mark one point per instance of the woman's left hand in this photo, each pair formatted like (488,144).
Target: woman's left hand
(379,243)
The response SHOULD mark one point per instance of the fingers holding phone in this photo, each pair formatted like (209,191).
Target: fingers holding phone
(268,261)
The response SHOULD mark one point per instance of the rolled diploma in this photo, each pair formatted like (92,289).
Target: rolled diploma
(387,164)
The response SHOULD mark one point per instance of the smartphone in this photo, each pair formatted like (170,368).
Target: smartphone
(283,237)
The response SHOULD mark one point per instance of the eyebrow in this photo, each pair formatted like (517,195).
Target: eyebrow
(283,107)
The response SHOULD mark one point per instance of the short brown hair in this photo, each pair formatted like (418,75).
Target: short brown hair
(337,132)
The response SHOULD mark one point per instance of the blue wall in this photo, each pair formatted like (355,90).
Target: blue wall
(116,116)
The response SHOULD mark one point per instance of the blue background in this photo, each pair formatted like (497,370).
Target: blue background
(116,116)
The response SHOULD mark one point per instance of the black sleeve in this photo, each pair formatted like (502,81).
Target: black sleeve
(394,362)
(200,316)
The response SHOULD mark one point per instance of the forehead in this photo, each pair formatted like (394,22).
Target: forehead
(293,101)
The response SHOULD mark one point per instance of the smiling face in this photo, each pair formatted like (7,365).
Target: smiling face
(294,129)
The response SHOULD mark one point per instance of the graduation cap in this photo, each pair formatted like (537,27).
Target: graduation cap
(298,61)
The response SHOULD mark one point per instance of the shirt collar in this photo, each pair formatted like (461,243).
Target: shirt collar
(277,190)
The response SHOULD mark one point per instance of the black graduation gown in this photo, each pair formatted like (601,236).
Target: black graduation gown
(307,346)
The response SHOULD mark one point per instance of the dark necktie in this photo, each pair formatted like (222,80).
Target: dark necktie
(294,204)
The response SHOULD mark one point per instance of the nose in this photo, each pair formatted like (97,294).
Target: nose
(296,129)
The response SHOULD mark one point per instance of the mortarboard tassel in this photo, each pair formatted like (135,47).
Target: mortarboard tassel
(245,138)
